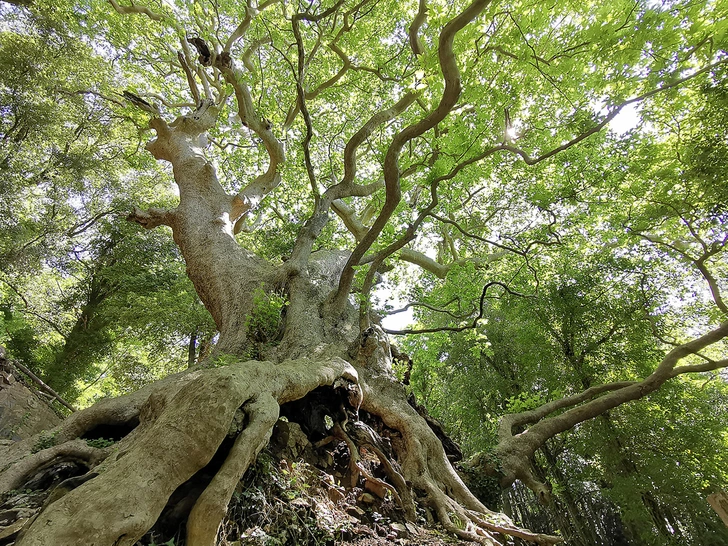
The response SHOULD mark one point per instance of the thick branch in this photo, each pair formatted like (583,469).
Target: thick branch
(346,187)
(152,217)
(348,216)
(515,451)
(414,29)
(249,197)
(125,10)
(512,420)
(451,75)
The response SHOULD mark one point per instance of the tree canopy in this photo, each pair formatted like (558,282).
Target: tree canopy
(541,186)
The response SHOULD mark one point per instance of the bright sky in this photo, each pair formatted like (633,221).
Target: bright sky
(626,120)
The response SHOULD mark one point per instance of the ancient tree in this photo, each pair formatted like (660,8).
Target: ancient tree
(365,126)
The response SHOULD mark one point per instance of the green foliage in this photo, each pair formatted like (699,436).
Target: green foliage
(608,241)
(100,443)
(274,504)
(265,320)
(45,440)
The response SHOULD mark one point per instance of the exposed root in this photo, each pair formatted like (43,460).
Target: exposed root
(356,468)
(463,526)
(77,450)
(404,498)
(210,509)
(171,433)
(425,465)
(182,423)
(353,454)
(510,530)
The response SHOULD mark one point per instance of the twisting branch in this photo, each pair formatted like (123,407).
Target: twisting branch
(414,29)
(411,230)
(348,274)
(302,107)
(241,29)
(450,95)
(250,196)
(474,324)
(252,48)
(433,308)
(516,449)
(348,216)
(126,10)
(346,187)
(333,46)
(190,77)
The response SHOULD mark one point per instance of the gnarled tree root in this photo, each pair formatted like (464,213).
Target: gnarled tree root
(211,507)
(182,422)
(181,428)
(425,465)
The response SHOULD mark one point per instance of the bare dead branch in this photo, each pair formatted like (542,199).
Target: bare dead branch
(38,381)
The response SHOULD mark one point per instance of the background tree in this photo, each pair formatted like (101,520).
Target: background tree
(70,265)
(596,322)
(316,147)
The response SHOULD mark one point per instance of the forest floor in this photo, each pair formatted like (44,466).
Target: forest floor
(311,501)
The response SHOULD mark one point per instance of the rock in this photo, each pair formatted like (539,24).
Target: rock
(22,414)
(335,495)
(6,379)
(375,488)
(399,530)
(366,498)
(290,439)
(356,512)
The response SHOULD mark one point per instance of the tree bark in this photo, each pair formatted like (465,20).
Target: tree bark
(174,427)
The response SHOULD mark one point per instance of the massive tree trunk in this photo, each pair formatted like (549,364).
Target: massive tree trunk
(170,430)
